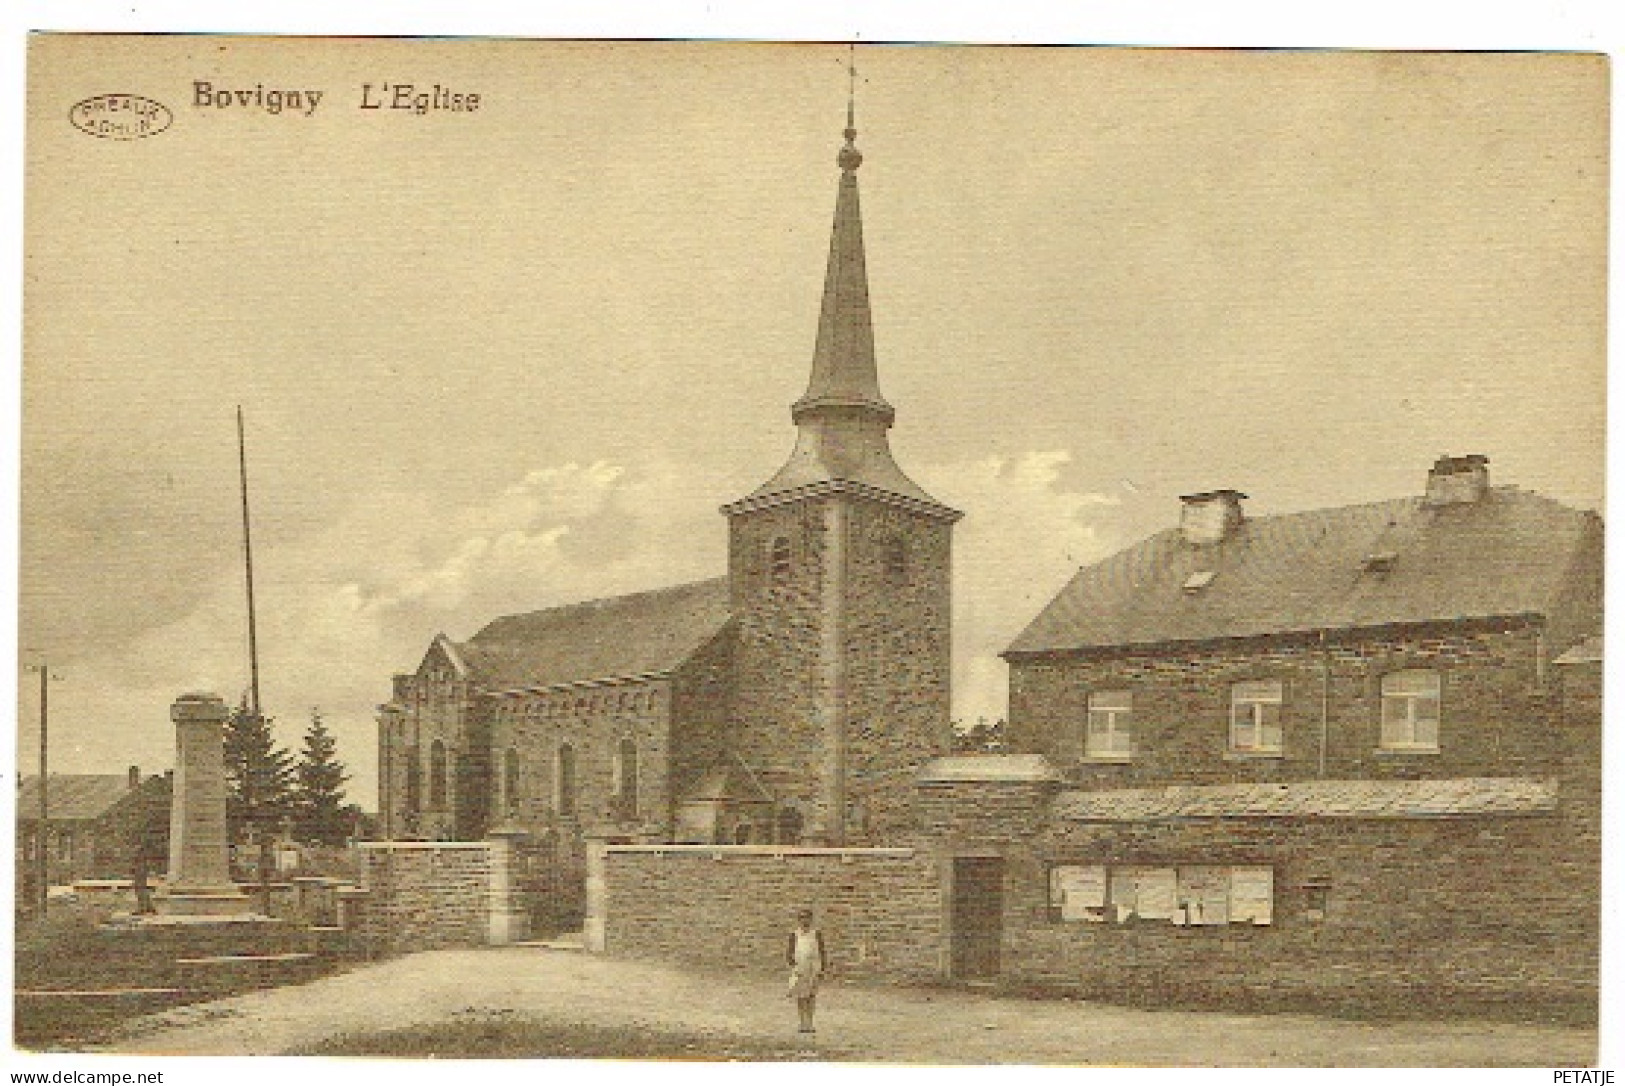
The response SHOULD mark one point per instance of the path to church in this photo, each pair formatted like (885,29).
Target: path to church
(855,1023)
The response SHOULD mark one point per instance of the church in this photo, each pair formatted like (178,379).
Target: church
(790,701)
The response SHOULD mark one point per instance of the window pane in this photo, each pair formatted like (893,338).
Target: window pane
(1258,690)
(1269,727)
(1110,699)
(1427,733)
(1396,724)
(1414,681)
(1243,730)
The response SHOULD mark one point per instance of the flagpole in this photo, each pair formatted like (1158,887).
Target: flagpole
(261,831)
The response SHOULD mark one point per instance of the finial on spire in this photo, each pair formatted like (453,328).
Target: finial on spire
(850,157)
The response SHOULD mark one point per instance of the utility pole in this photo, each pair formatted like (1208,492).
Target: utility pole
(42,857)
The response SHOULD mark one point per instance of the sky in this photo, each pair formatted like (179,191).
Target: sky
(501,360)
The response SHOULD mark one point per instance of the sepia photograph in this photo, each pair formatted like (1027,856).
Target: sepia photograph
(519,560)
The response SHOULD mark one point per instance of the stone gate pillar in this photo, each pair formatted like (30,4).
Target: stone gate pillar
(199,850)
(595,926)
(509,918)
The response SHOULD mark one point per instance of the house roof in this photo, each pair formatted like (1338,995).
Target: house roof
(1456,796)
(73,796)
(1510,553)
(639,634)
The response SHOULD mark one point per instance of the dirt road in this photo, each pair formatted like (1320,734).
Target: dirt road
(911,1025)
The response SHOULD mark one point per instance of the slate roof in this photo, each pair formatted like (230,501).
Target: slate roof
(643,633)
(73,796)
(1457,796)
(988,767)
(1510,553)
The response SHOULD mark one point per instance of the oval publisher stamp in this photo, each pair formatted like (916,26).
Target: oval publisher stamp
(120,116)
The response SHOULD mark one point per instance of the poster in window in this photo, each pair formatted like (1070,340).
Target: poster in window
(1158,893)
(1252,895)
(1080,892)
(1204,895)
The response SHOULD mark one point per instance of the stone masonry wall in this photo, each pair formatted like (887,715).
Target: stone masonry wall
(898,663)
(1498,709)
(423,895)
(733,907)
(774,724)
(1417,912)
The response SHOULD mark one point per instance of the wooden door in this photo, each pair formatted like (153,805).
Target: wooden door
(977,916)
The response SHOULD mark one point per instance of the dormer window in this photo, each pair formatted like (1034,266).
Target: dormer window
(1199,580)
(1379,562)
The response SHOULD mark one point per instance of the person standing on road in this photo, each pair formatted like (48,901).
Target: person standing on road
(805,956)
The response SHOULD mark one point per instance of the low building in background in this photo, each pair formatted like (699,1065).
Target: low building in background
(100,826)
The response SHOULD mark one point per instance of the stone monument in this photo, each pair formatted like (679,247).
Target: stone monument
(199,850)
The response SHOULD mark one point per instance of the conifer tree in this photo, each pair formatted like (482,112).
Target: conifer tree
(320,812)
(259,776)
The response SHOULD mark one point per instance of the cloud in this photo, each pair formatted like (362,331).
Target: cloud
(343,608)
(1025,532)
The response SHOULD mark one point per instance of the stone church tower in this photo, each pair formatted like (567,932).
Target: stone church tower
(839,581)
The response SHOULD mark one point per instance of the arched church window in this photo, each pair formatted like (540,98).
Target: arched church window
(789,826)
(510,778)
(626,778)
(894,557)
(779,559)
(414,779)
(743,833)
(437,776)
(565,795)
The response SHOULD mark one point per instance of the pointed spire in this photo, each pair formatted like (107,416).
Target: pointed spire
(842,419)
(843,369)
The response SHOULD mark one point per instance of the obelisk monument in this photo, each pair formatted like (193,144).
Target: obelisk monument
(199,861)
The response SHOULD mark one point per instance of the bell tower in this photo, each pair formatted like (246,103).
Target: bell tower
(839,570)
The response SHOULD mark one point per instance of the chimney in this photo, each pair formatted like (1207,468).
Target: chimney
(1210,517)
(401,688)
(1458,480)
(135,777)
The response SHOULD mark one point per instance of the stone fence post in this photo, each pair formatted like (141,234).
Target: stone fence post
(509,919)
(595,927)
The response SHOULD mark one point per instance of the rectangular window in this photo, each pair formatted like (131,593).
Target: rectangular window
(1079,893)
(1252,895)
(1198,895)
(1108,734)
(1255,717)
(1204,896)
(1144,893)
(1410,710)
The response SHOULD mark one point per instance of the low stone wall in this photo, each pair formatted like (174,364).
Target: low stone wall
(733,907)
(423,894)
(415,895)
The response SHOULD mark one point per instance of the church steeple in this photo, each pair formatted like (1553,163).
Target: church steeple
(843,369)
(842,418)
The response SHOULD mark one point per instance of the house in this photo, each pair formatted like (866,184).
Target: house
(97,824)
(790,701)
(1346,755)
(1410,638)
